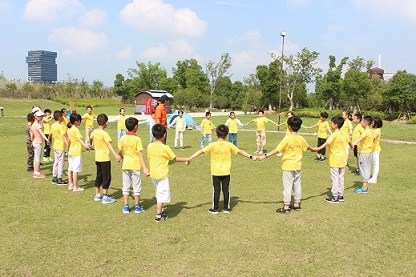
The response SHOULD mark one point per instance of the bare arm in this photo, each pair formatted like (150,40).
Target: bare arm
(116,156)
(83,143)
(196,154)
(245,154)
(181,160)
(274,123)
(145,169)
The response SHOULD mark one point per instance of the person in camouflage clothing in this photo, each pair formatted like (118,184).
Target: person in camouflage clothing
(30,152)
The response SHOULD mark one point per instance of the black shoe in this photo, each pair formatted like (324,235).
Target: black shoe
(213,211)
(341,198)
(162,217)
(357,172)
(60,182)
(317,159)
(292,207)
(226,211)
(332,199)
(30,169)
(54,180)
(322,159)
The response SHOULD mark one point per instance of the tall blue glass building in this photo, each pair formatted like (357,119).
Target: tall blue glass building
(42,66)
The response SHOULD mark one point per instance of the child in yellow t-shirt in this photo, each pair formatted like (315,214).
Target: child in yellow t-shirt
(289,115)
(60,140)
(159,155)
(206,129)
(103,147)
(375,156)
(336,157)
(233,123)
(89,118)
(346,130)
(121,124)
(323,130)
(260,130)
(292,148)
(47,123)
(74,153)
(220,152)
(356,133)
(130,150)
(180,127)
(365,146)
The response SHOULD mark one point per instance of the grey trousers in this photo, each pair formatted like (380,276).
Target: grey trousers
(291,181)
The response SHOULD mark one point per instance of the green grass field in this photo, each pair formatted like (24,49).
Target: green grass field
(48,230)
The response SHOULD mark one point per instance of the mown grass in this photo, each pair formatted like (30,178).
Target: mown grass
(48,230)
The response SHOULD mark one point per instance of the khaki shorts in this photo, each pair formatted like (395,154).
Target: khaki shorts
(261,138)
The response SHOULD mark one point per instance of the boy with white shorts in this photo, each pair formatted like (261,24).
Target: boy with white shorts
(159,156)
(130,150)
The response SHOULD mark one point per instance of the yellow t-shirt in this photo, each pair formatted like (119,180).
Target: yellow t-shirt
(180,123)
(337,152)
(323,129)
(376,142)
(89,120)
(347,129)
(47,123)
(100,139)
(57,132)
(130,145)
(358,130)
(220,152)
(261,123)
(233,125)
(75,145)
(121,124)
(159,156)
(64,123)
(207,126)
(292,148)
(366,144)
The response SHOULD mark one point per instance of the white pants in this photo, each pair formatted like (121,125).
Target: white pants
(375,162)
(58,163)
(132,178)
(337,180)
(179,137)
(291,181)
(162,190)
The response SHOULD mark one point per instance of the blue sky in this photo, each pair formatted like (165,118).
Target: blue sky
(95,40)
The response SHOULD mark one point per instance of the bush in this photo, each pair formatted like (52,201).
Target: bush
(412,120)
(93,102)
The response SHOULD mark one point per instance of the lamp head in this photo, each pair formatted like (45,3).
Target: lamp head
(283,34)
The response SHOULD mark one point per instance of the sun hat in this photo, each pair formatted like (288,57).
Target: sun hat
(37,111)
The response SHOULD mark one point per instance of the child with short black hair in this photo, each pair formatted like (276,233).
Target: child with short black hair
(180,127)
(356,133)
(89,118)
(292,148)
(336,158)
(103,147)
(365,147)
(347,131)
(375,156)
(233,123)
(75,141)
(220,152)
(46,124)
(159,155)
(59,142)
(29,146)
(206,129)
(323,130)
(260,130)
(130,150)
(121,124)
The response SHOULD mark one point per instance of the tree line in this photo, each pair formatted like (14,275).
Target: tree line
(347,84)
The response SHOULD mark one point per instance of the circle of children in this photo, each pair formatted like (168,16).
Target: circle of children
(67,140)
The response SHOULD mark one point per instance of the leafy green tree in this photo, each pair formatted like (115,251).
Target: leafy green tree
(400,92)
(120,88)
(356,85)
(146,76)
(328,86)
(215,71)
(269,77)
(97,89)
(301,70)
(28,88)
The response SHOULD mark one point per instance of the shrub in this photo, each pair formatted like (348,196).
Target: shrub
(93,102)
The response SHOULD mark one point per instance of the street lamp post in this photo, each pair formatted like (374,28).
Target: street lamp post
(283,34)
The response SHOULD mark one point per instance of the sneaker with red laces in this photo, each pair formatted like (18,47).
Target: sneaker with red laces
(38,175)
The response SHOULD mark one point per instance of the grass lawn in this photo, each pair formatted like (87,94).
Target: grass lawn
(48,230)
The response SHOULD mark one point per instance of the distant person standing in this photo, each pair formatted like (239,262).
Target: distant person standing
(89,118)
(160,114)
(180,127)
(121,124)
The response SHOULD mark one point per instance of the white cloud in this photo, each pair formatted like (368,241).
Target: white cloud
(389,8)
(154,15)
(78,40)
(92,18)
(52,10)
(253,35)
(155,52)
(124,53)
(297,3)
(242,58)
(181,47)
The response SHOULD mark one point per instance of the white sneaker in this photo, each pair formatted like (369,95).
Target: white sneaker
(372,181)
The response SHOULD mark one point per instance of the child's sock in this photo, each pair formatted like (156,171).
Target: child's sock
(158,215)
